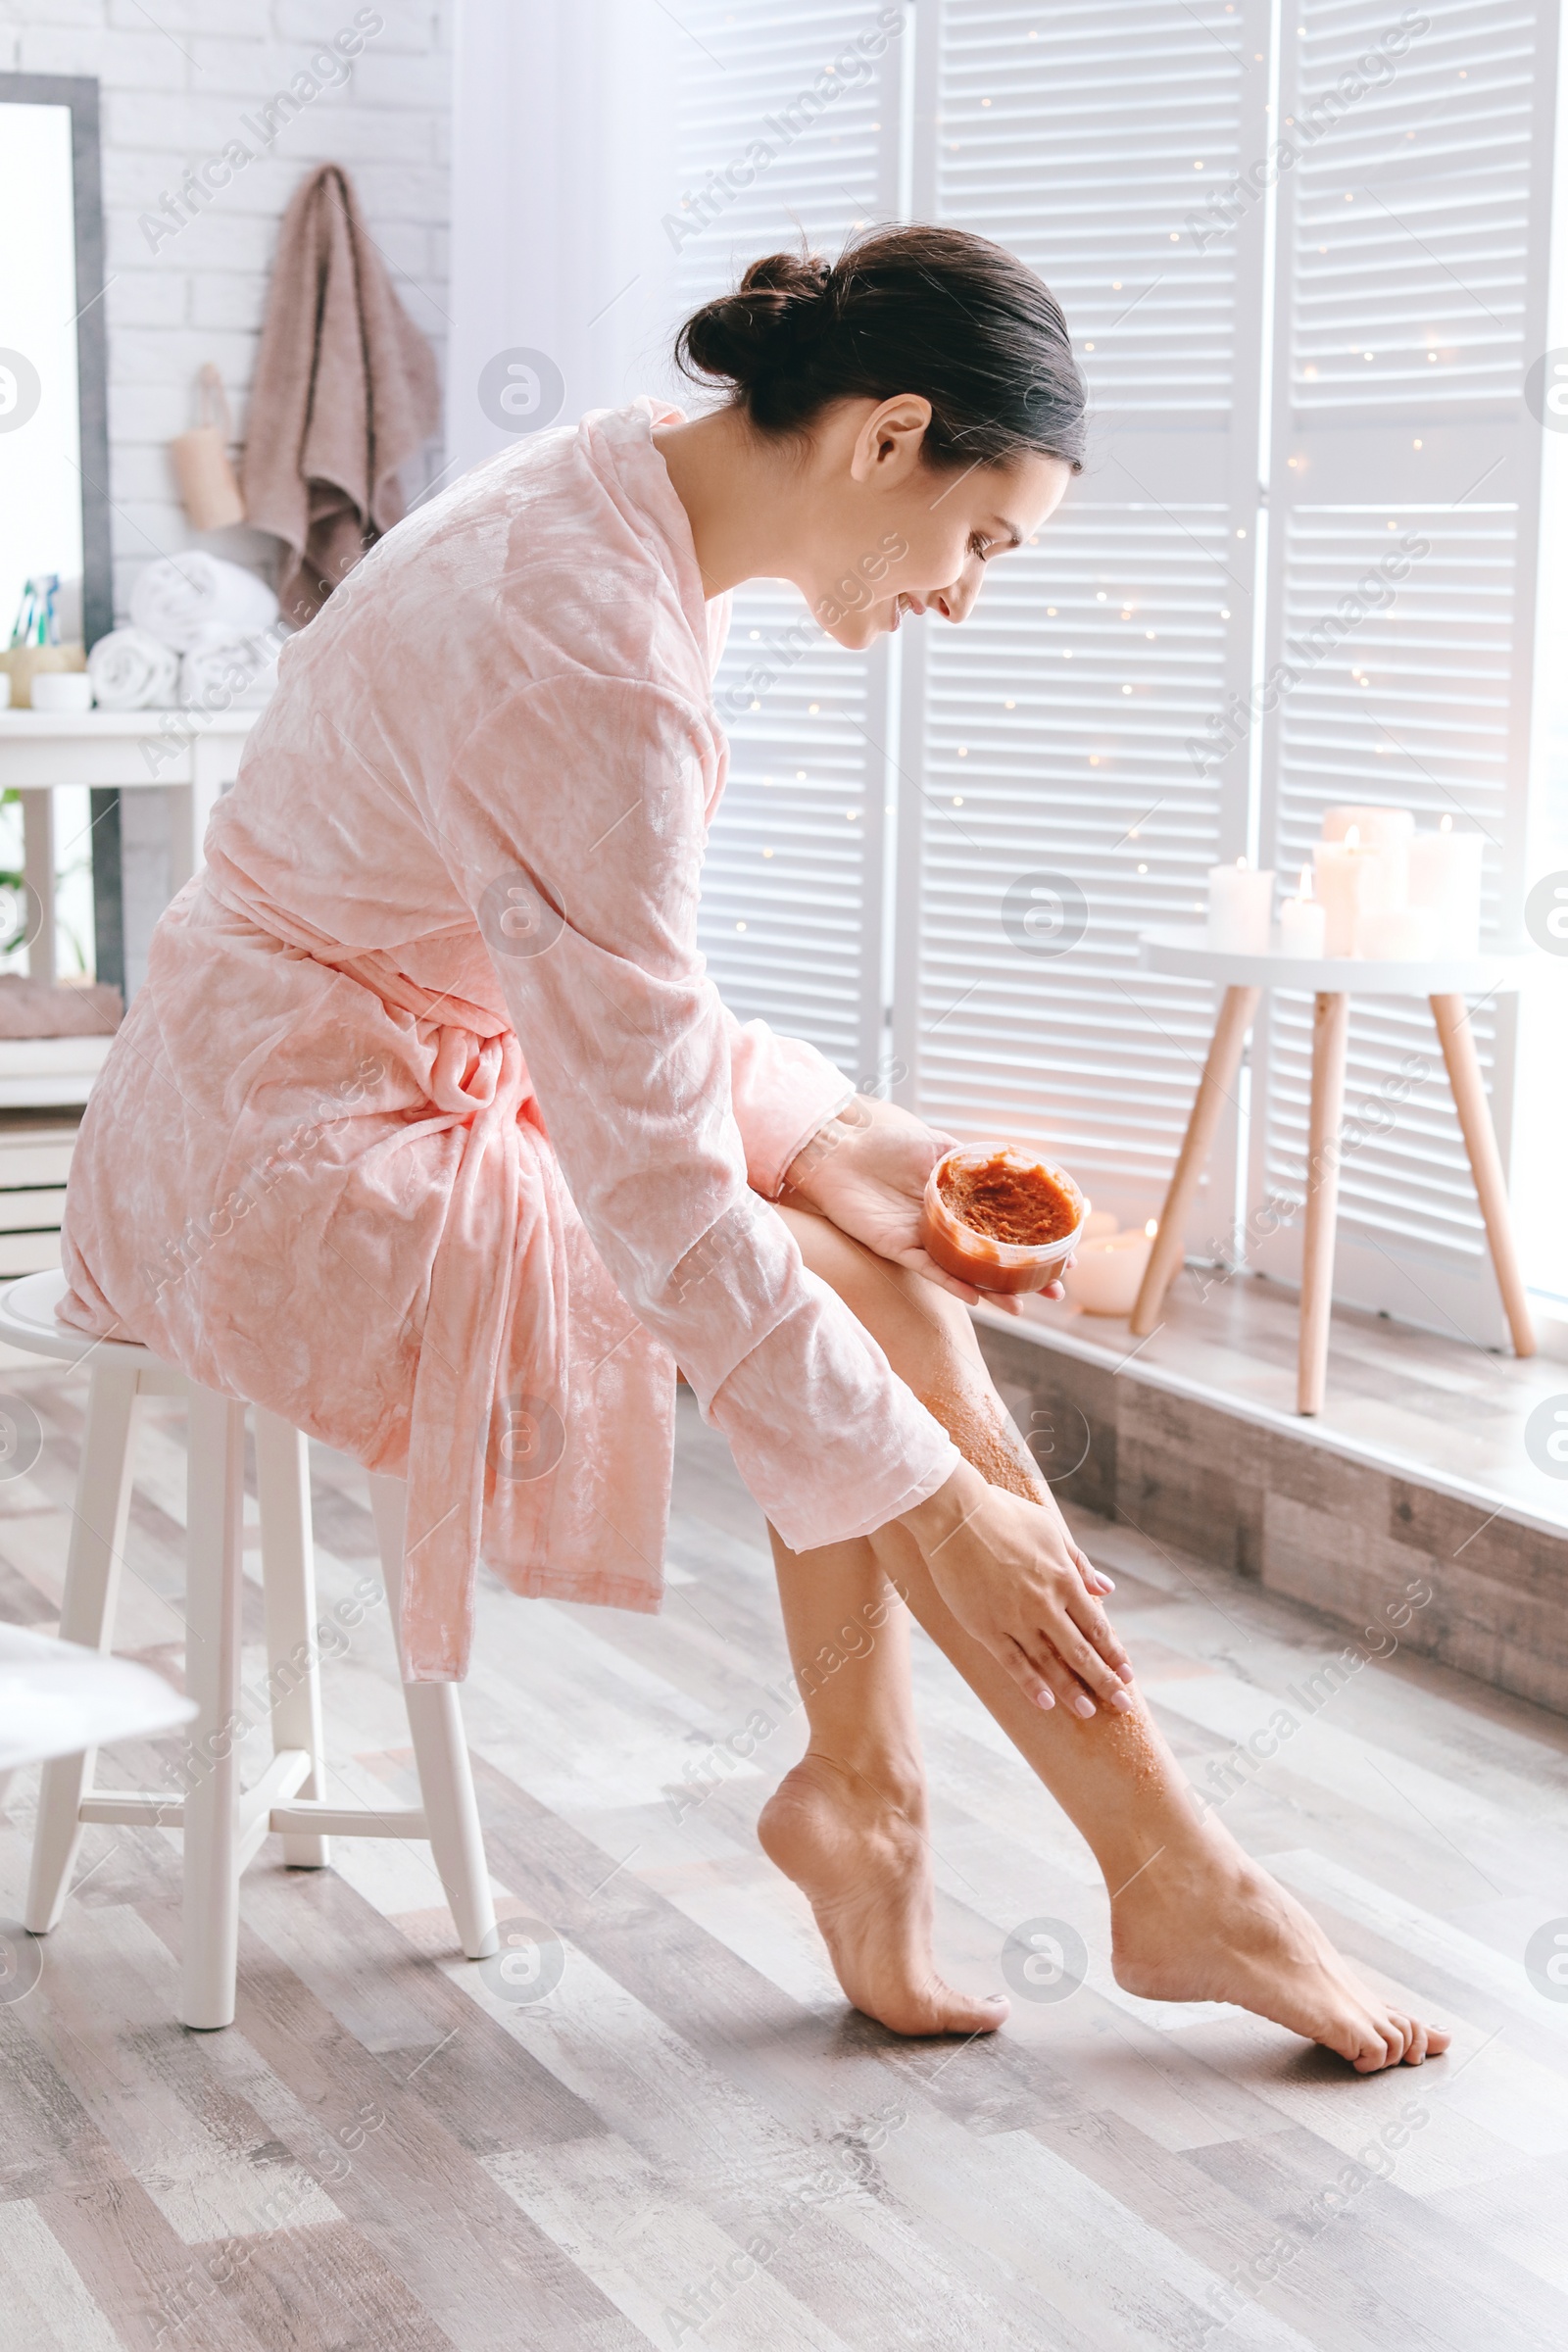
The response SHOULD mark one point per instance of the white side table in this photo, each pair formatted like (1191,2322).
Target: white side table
(1183,951)
(190,755)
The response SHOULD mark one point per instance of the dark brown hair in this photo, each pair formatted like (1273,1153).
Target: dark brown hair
(933,311)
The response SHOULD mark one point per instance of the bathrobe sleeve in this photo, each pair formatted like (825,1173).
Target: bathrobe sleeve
(782,1092)
(572,822)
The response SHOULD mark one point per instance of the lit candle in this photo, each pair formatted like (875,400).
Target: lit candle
(1304,925)
(1409,933)
(1386,830)
(1446,877)
(1350,876)
(1240,903)
(1108,1273)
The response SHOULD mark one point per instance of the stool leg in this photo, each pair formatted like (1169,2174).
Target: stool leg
(88,1615)
(288,1577)
(1236,1014)
(215,1491)
(1457,1039)
(441,1753)
(1331,1028)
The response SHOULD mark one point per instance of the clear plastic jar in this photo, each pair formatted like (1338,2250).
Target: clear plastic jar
(977,1258)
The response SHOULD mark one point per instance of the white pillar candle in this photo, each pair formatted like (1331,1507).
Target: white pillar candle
(1303,926)
(1240,904)
(1107,1274)
(1446,877)
(1407,933)
(1350,876)
(1388,830)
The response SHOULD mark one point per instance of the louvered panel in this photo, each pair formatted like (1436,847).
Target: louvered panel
(1411,239)
(791,888)
(1056,721)
(793,875)
(1413,288)
(1411,710)
(750,79)
(1051,734)
(1082,137)
(1410,706)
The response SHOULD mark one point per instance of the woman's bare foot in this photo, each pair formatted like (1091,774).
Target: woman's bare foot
(862,1861)
(1216,1928)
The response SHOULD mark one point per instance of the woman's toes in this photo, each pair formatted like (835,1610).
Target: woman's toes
(1387,2041)
(965,2013)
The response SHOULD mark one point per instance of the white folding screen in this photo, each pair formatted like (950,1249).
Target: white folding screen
(1058,802)
(1412,292)
(1303,253)
(788,129)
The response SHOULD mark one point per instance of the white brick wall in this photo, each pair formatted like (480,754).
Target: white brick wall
(174,79)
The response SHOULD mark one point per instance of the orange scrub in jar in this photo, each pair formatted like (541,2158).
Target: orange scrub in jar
(999,1218)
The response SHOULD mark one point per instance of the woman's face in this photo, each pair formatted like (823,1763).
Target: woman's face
(891,536)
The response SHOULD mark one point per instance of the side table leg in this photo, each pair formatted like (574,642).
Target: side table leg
(1457,1040)
(1214,1090)
(1331,1027)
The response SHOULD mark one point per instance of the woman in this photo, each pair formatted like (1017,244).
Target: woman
(428,1132)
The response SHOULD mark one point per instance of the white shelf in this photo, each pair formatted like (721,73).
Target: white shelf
(191,755)
(48,1072)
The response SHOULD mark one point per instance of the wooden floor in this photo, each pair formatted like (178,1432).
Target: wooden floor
(653,2121)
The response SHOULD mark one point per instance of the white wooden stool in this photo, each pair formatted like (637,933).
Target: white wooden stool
(224,1823)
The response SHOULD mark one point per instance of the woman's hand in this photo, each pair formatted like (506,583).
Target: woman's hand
(1013,1578)
(866,1171)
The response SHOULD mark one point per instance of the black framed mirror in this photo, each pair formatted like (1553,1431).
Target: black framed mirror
(54,396)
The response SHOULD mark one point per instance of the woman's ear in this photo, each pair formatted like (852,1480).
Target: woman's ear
(889,445)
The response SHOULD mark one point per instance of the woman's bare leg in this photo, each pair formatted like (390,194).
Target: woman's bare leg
(1192,1916)
(849,1822)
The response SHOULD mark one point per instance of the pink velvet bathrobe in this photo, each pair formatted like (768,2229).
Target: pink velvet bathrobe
(427,1129)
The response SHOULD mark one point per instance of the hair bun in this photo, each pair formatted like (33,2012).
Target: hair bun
(911,309)
(782,306)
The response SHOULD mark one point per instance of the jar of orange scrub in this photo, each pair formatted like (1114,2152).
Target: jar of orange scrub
(1001,1219)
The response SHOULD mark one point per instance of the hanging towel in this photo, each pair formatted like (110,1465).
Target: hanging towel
(345,392)
(131,670)
(227,669)
(174,598)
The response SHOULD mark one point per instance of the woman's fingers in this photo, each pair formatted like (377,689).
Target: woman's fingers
(1044,1679)
(1092,1621)
(1095,1656)
(1094,1578)
(1047,1679)
(1028,1676)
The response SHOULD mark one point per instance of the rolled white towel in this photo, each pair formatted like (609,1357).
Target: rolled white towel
(180,594)
(227,669)
(132,672)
